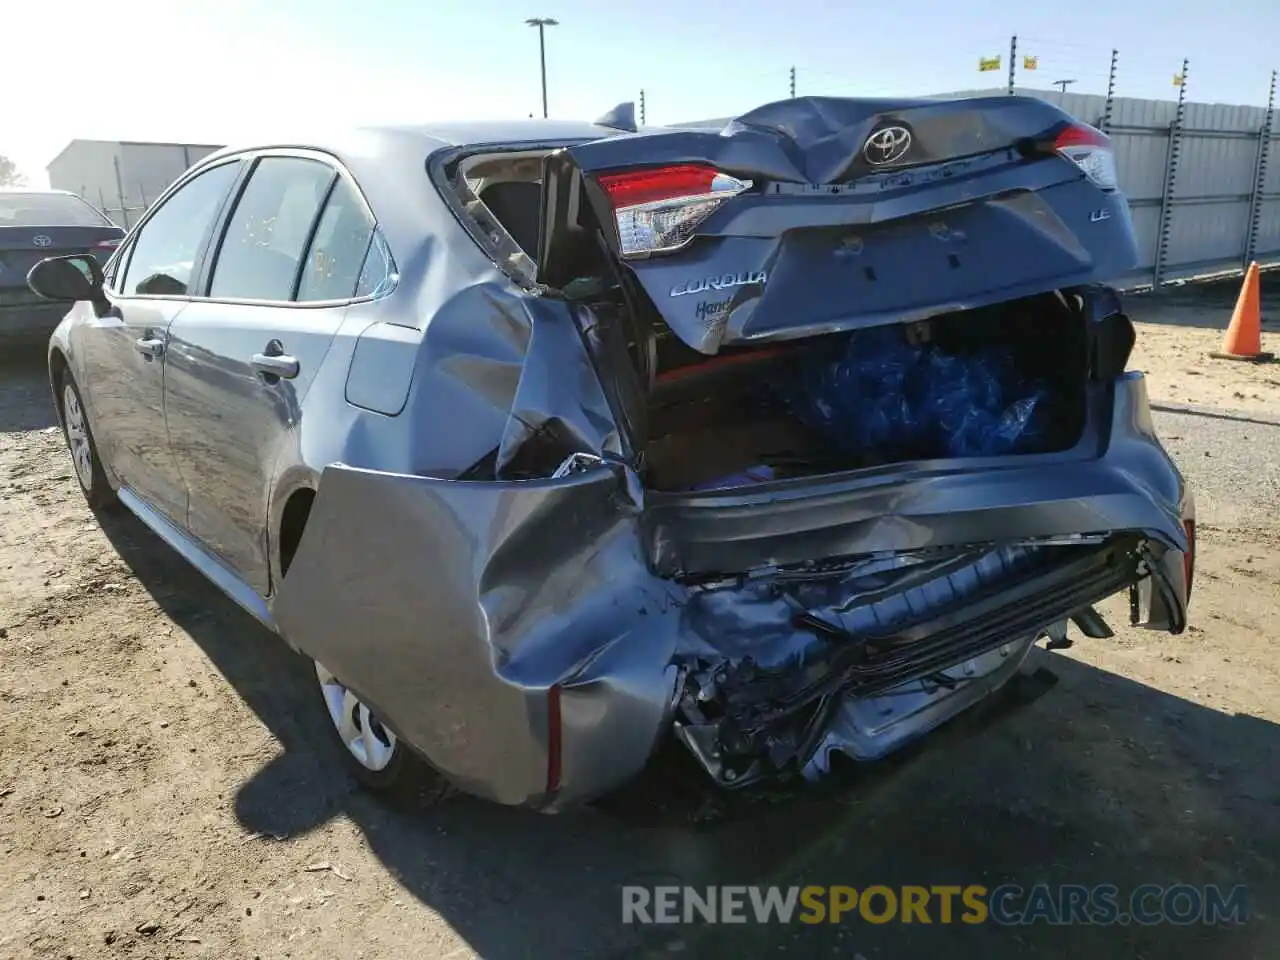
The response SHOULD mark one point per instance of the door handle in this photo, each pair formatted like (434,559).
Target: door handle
(149,347)
(276,365)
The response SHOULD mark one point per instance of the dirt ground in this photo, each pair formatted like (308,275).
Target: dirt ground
(1178,329)
(162,793)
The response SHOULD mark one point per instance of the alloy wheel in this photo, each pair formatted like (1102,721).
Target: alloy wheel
(77,436)
(366,739)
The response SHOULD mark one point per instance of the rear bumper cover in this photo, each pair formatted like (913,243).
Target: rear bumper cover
(23,318)
(456,608)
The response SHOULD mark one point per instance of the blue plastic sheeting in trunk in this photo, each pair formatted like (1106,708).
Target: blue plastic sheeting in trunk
(878,395)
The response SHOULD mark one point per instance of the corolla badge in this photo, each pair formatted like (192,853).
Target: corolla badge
(722,282)
(887,145)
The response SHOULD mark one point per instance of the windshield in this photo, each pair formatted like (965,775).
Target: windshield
(47,210)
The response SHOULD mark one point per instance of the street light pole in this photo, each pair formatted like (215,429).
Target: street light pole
(1062,84)
(542,23)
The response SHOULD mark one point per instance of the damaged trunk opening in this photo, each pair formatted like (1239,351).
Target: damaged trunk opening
(1006,379)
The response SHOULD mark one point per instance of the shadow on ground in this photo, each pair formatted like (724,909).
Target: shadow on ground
(1101,781)
(1204,304)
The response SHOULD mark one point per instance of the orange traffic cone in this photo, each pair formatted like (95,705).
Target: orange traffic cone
(1244,336)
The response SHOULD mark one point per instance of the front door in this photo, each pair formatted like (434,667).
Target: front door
(121,354)
(240,361)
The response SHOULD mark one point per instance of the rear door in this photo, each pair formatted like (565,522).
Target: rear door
(241,358)
(816,215)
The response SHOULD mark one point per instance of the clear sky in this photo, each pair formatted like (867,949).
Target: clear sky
(217,71)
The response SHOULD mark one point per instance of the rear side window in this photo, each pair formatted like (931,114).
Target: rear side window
(338,249)
(379,270)
(48,210)
(164,249)
(267,234)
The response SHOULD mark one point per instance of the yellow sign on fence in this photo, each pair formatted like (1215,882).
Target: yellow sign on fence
(988,63)
(1030,63)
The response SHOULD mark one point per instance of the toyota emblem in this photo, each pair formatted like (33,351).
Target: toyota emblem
(887,145)
(40,240)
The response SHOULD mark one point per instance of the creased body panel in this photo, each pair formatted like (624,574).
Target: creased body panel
(453,607)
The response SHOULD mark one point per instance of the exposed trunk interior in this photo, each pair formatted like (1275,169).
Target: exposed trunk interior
(1000,380)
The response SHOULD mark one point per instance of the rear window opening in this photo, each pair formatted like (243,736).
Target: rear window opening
(501,195)
(1007,379)
(48,210)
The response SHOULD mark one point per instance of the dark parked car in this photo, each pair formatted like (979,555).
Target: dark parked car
(548,441)
(35,224)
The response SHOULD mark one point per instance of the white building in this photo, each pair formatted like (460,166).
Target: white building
(122,177)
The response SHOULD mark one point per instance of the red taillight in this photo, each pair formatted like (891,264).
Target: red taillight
(553,739)
(1189,557)
(1081,135)
(658,209)
(1088,148)
(663,183)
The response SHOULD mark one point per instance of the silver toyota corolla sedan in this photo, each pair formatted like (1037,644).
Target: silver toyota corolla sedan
(548,442)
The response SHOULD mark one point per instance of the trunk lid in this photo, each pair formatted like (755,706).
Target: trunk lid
(22,247)
(824,214)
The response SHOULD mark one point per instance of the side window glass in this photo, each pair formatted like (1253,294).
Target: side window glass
(164,251)
(268,230)
(338,248)
(379,271)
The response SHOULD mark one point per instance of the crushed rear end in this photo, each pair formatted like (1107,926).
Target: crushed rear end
(878,397)
(848,431)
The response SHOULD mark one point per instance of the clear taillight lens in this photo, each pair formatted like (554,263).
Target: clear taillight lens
(1090,150)
(657,210)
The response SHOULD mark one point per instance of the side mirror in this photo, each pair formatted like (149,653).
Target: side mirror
(62,279)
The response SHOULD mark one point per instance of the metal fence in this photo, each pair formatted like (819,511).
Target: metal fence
(117,207)
(124,216)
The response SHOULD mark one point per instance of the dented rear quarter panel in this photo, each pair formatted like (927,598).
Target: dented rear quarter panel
(454,606)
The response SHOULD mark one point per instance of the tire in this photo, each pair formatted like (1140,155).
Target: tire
(377,759)
(85,460)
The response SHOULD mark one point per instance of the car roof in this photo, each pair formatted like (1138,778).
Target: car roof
(389,164)
(477,133)
(27,191)
(425,139)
